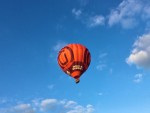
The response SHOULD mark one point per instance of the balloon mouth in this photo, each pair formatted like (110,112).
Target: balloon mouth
(77,80)
(76,75)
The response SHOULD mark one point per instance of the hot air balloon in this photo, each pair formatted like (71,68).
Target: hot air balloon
(74,60)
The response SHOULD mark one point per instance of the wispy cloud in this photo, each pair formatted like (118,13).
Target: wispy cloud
(88,20)
(100,94)
(110,71)
(3,100)
(70,104)
(96,21)
(76,12)
(59,45)
(83,2)
(103,55)
(51,86)
(49,105)
(56,48)
(125,14)
(129,13)
(140,55)
(101,61)
(100,67)
(138,78)
(21,108)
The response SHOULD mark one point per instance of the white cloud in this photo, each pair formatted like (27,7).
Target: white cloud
(90,108)
(140,55)
(76,12)
(70,104)
(24,108)
(49,105)
(36,102)
(125,14)
(138,78)
(81,109)
(129,13)
(96,21)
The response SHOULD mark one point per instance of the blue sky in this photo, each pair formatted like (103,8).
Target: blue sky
(117,34)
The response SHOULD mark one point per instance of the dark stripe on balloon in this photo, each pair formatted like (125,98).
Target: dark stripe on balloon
(88,59)
(71,53)
(64,63)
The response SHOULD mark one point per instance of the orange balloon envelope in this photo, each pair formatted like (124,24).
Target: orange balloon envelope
(74,60)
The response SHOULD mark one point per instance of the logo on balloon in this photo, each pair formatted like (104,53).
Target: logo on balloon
(67,54)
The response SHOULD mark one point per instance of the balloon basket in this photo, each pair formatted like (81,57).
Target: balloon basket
(77,81)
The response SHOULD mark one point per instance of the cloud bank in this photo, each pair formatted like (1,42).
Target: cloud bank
(49,106)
